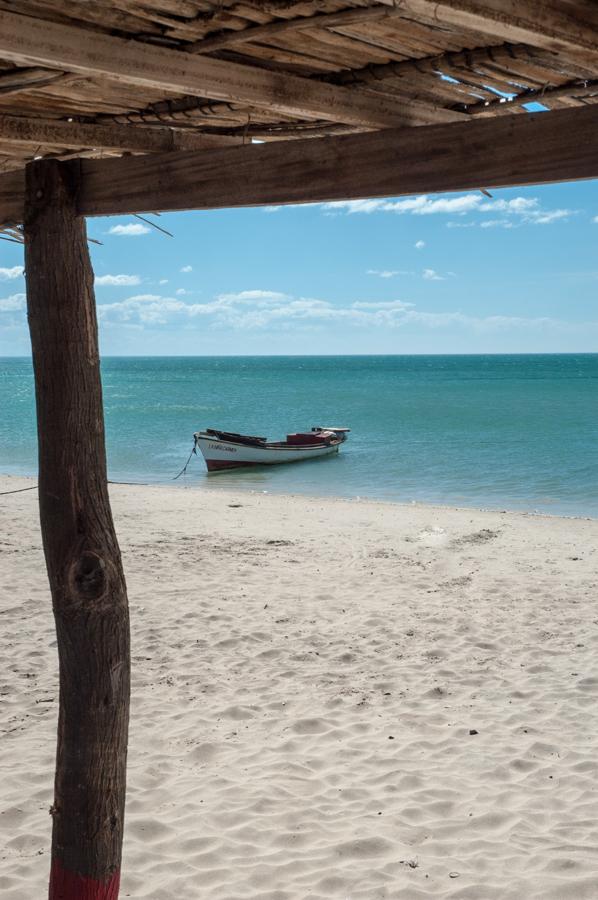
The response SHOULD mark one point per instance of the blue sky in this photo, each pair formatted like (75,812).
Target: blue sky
(452,273)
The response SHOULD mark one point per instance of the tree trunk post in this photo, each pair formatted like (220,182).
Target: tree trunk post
(88,588)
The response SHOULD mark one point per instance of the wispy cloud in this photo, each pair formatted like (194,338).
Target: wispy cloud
(431,275)
(526,210)
(522,210)
(12,303)
(10,274)
(132,230)
(257,309)
(118,280)
(271,209)
(381,304)
(595,220)
(492,223)
(244,296)
(386,273)
(186,269)
(419,245)
(420,206)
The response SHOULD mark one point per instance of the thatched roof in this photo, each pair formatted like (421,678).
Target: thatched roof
(415,62)
(404,95)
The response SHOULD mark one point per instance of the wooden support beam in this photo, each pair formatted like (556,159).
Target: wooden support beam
(12,196)
(26,39)
(452,157)
(261,33)
(54,132)
(533,148)
(570,28)
(88,588)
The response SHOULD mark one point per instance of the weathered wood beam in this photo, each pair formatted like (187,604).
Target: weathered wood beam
(531,95)
(403,161)
(87,583)
(428,66)
(26,39)
(12,194)
(15,81)
(54,132)
(533,148)
(570,28)
(261,33)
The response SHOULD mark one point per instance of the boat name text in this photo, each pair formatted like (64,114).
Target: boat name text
(220,447)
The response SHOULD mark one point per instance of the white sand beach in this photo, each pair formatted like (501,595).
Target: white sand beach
(331,699)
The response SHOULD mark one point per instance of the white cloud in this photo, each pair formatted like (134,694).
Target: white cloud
(431,275)
(525,210)
(419,245)
(522,211)
(420,206)
(552,215)
(271,209)
(595,220)
(251,310)
(163,281)
(131,230)
(356,206)
(499,223)
(516,205)
(244,296)
(480,323)
(12,303)
(118,280)
(381,304)
(10,274)
(186,269)
(181,292)
(423,206)
(386,273)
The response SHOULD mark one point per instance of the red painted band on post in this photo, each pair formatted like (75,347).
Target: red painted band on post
(65,885)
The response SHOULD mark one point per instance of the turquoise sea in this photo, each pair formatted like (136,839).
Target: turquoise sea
(509,432)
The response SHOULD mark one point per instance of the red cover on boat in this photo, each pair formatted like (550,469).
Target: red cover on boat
(302,438)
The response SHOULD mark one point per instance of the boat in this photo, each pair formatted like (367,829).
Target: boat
(224,450)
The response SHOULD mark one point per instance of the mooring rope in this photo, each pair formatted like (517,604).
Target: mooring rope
(34,488)
(18,490)
(131,483)
(184,469)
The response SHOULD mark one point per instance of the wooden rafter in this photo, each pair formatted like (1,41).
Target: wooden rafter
(473,68)
(14,81)
(492,152)
(260,33)
(23,38)
(53,132)
(571,29)
(543,95)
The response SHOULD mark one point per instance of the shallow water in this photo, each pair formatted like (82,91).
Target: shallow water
(517,432)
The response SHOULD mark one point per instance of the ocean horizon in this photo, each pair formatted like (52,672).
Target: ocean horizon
(506,431)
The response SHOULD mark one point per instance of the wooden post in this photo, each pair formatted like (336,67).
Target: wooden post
(82,555)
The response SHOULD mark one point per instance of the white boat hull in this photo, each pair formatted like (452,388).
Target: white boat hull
(221,455)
